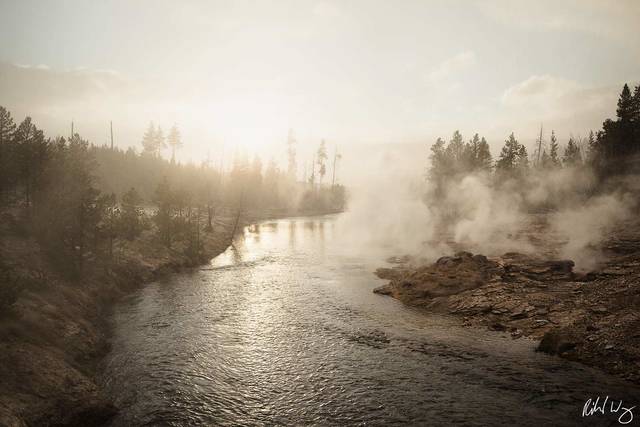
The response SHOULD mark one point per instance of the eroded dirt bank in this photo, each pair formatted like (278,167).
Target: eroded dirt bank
(589,317)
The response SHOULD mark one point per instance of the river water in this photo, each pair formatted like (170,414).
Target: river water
(283,329)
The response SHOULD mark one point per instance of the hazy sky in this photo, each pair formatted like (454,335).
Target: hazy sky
(244,72)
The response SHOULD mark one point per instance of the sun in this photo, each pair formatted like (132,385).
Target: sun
(250,122)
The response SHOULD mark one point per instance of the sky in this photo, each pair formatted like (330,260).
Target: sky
(242,73)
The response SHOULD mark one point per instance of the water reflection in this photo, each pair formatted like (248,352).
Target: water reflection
(283,329)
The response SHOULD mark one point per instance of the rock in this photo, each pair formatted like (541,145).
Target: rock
(540,322)
(557,342)
(389,273)
(399,260)
(497,326)
(584,277)
(480,259)
(382,290)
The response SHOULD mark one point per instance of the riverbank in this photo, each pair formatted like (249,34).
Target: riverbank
(53,336)
(588,317)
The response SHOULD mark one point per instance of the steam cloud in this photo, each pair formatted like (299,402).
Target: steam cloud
(393,210)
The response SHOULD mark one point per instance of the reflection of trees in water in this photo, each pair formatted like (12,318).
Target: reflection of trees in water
(237,248)
(321,232)
(293,225)
(254,230)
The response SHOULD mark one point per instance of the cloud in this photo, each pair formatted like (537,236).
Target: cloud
(617,20)
(541,90)
(39,88)
(447,68)
(558,102)
(327,10)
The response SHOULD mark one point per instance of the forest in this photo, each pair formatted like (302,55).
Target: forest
(609,153)
(84,203)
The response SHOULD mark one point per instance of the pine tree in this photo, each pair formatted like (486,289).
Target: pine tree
(592,149)
(625,104)
(554,160)
(484,160)
(572,155)
(131,215)
(522,159)
(159,141)
(457,153)
(7,126)
(7,129)
(32,151)
(438,162)
(509,155)
(175,142)
(322,160)
(164,199)
(545,160)
(635,107)
(149,140)
(470,157)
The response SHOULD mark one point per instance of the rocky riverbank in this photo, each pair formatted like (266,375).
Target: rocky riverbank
(588,317)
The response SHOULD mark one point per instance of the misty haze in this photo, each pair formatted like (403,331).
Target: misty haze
(319,212)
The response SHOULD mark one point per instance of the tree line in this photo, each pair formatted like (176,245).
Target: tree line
(611,151)
(81,201)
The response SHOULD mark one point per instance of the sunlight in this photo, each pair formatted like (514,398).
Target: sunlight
(250,121)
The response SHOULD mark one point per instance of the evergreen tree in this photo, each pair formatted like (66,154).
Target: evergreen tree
(470,158)
(149,140)
(522,159)
(438,161)
(7,167)
(32,151)
(545,160)
(554,160)
(625,104)
(164,199)
(457,153)
(322,160)
(159,141)
(572,156)
(110,220)
(592,149)
(68,224)
(131,222)
(7,126)
(635,107)
(484,161)
(175,142)
(509,155)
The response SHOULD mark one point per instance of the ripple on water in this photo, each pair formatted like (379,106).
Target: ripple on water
(283,329)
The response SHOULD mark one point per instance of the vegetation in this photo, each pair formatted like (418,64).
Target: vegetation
(610,152)
(82,202)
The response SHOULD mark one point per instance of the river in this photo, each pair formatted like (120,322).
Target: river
(283,329)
